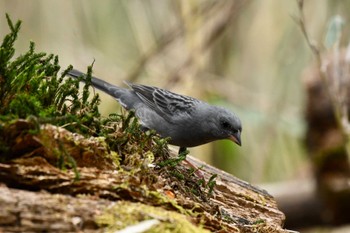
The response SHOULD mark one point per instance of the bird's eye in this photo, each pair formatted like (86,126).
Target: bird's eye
(225,125)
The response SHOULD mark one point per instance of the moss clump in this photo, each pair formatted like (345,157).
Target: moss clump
(32,86)
(124,214)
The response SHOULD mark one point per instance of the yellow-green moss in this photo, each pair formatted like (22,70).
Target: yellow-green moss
(124,214)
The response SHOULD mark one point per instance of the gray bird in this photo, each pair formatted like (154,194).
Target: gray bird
(188,122)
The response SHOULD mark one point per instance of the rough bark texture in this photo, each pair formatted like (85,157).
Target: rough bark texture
(233,206)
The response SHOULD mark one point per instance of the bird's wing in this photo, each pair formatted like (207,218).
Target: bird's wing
(165,103)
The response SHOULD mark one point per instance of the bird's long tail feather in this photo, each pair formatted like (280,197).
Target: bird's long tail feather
(97,83)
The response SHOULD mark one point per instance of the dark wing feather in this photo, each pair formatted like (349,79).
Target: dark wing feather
(145,93)
(166,103)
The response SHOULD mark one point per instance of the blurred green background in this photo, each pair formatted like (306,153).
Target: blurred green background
(246,55)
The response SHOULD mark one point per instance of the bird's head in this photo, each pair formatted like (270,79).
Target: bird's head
(228,126)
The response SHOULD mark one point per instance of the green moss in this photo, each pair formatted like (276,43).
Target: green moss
(31,86)
(124,214)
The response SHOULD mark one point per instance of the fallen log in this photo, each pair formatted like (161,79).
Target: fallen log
(75,199)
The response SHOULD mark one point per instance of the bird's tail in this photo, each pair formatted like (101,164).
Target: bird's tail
(98,83)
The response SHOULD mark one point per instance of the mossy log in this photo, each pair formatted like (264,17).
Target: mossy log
(95,195)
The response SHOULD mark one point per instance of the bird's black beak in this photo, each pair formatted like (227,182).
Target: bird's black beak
(236,137)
